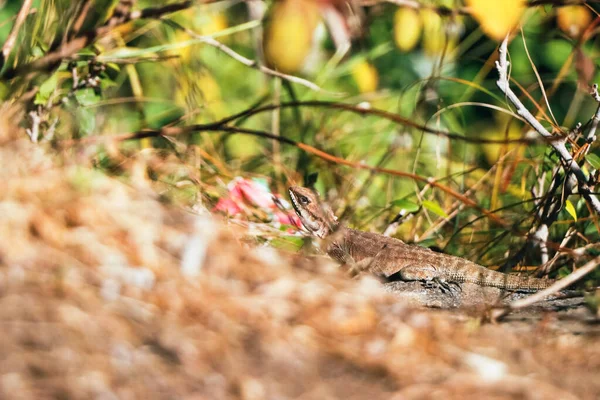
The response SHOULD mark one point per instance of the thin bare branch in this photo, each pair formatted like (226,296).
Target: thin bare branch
(546,268)
(538,77)
(83,11)
(12,37)
(569,164)
(246,61)
(591,136)
(361,110)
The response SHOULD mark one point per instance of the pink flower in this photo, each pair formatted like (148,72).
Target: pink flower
(255,193)
(228,206)
(248,192)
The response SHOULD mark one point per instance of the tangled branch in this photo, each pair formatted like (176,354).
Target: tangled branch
(568,163)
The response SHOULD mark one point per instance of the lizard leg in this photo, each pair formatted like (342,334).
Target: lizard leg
(429,275)
(357,268)
(418,273)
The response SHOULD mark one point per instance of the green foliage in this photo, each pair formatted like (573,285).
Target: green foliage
(407,205)
(594,160)
(435,208)
(47,89)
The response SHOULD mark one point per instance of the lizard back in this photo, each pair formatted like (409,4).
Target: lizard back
(389,256)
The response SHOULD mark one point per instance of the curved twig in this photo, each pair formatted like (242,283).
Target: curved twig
(248,62)
(216,127)
(358,109)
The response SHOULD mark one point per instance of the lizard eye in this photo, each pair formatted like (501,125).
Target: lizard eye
(303,200)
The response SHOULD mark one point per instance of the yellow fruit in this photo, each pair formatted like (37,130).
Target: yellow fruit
(407,28)
(366,77)
(288,34)
(573,20)
(497,18)
(433,32)
(211,92)
(215,23)
(184,53)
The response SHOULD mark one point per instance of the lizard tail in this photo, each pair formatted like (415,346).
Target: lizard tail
(513,282)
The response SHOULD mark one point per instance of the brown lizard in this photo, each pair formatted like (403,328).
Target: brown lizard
(394,259)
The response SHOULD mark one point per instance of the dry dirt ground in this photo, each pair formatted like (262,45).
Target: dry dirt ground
(107,293)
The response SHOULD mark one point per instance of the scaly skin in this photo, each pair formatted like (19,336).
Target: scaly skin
(382,255)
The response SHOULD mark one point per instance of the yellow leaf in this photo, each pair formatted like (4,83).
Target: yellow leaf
(573,20)
(571,210)
(407,28)
(497,18)
(366,77)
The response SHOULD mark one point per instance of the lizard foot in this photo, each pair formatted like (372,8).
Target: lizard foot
(441,284)
(355,270)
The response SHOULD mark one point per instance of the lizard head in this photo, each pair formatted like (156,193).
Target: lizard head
(316,216)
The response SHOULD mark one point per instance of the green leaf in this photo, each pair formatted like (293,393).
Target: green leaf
(571,209)
(107,83)
(87,97)
(86,52)
(590,229)
(435,208)
(406,205)
(37,52)
(46,89)
(594,160)
(132,52)
(113,66)
(5,90)
(289,243)
(87,120)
